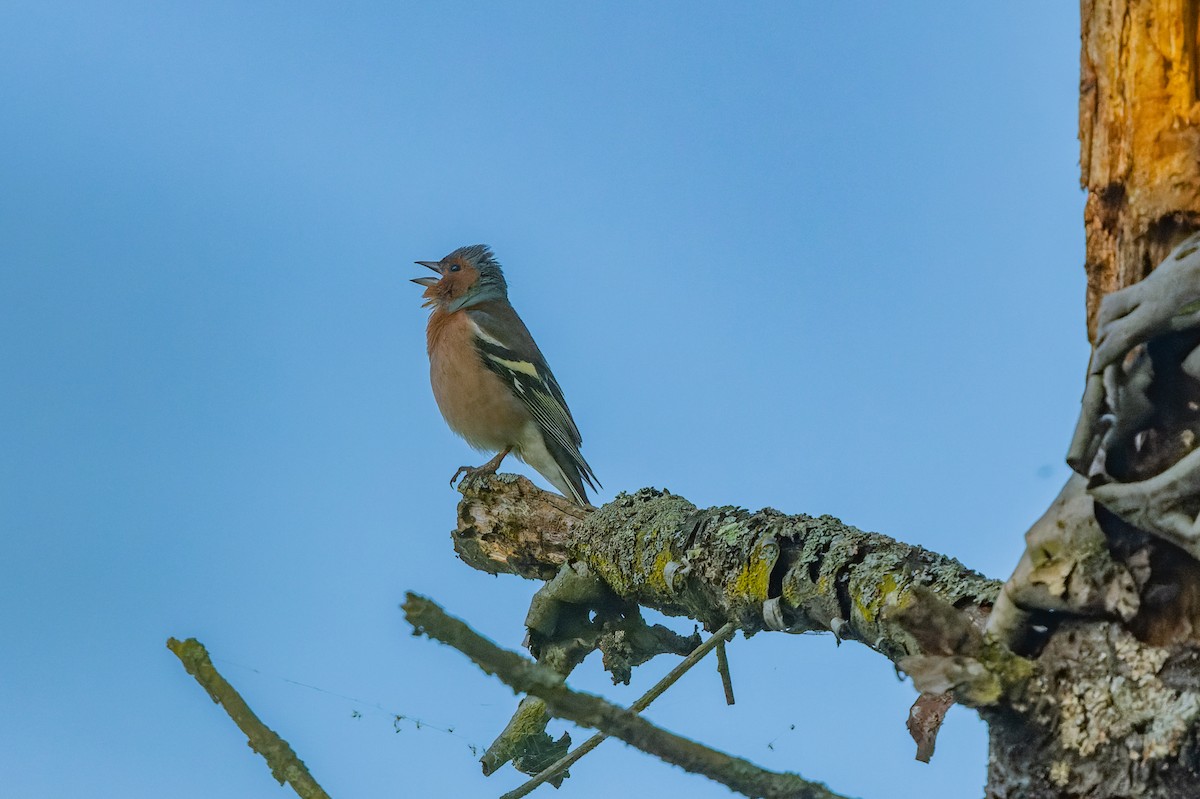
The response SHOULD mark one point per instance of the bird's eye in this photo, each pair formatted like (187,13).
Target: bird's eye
(454,267)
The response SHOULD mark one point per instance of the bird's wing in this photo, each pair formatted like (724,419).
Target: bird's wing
(505,347)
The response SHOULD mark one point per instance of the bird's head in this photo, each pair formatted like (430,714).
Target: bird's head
(466,277)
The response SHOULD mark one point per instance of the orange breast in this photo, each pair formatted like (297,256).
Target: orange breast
(474,401)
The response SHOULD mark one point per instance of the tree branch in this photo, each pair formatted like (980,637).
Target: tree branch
(525,676)
(764,570)
(716,640)
(285,765)
(723,670)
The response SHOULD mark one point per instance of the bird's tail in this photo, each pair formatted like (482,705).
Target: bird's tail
(565,469)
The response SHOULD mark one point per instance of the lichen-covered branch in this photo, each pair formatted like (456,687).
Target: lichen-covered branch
(525,676)
(286,767)
(760,571)
(771,571)
(764,570)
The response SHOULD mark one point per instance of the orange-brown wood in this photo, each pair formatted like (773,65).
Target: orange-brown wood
(1139,133)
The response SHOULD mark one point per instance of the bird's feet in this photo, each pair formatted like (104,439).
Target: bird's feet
(467,472)
(475,471)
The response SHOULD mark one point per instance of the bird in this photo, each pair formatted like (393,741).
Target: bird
(491,382)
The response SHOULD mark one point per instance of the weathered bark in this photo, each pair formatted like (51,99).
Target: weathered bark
(763,570)
(1113,708)
(1097,714)
(1139,133)
(760,571)
(530,540)
(1107,716)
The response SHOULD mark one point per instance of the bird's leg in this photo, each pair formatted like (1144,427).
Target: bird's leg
(488,468)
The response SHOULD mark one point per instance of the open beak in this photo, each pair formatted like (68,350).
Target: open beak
(428,281)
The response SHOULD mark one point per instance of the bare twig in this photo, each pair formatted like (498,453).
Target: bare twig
(717,639)
(286,767)
(525,676)
(723,670)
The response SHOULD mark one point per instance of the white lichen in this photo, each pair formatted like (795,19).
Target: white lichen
(1125,701)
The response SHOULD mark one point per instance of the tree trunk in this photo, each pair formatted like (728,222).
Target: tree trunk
(1139,136)
(1111,717)
(1117,708)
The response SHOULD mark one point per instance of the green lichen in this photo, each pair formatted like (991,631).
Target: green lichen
(1010,673)
(610,570)
(731,533)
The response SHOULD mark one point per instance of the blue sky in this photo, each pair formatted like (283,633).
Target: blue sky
(821,257)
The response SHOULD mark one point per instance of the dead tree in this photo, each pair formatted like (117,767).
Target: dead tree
(1086,662)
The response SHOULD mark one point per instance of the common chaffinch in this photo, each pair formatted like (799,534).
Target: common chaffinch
(489,378)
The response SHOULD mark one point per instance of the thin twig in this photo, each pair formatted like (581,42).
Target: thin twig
(525,676)
(723,670)
(643,702)
(285,765)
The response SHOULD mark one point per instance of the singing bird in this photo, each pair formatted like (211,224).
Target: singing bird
(489,378)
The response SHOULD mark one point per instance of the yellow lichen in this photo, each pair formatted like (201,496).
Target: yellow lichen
(657,577)
(870,605)
(752,580)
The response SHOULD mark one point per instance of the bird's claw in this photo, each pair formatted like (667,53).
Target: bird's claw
(469,472)
(475,471)
(464,471)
